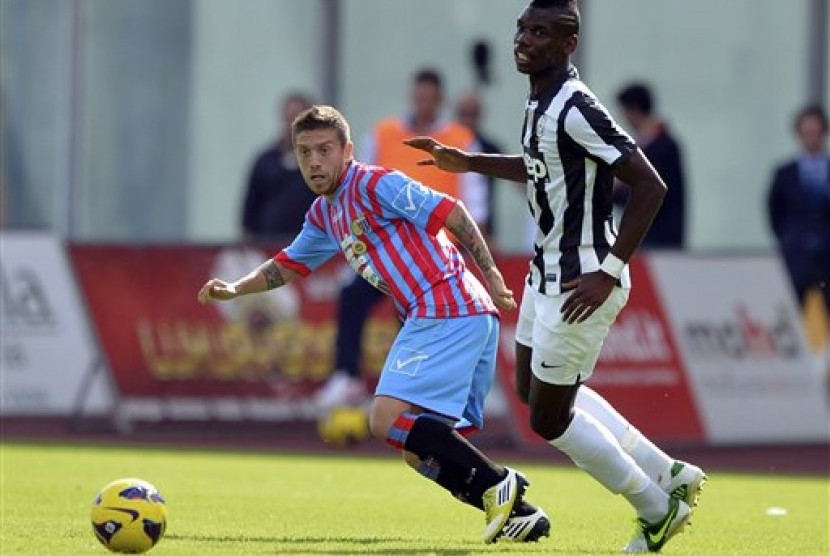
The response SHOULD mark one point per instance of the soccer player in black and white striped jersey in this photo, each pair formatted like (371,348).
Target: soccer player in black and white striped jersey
(578,280)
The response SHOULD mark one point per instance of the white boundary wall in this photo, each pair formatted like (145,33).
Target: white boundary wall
(741,341)
(46,344)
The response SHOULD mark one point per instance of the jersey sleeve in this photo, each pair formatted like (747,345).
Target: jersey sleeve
(403,197)
(310,249)
(589,124)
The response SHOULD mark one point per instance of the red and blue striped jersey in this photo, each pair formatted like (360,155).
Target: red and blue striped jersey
(389,228)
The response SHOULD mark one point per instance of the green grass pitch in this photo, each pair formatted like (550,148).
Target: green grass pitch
(332,504)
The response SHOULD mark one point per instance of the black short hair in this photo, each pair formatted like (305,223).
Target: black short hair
(545,4)
(637,96)
(321,117)
(811,111)
(428,75)
(570,19)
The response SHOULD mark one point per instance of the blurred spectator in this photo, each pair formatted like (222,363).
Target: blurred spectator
(469,112)
(384,147)
(653,137)
(277,198)
(799,207)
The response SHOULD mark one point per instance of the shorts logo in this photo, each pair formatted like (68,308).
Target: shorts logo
(544,366)
(408,361)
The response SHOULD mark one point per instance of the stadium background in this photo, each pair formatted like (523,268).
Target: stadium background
(132,123)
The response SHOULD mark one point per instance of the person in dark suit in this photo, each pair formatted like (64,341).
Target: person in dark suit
(276,197)
(799,206)
(661,149)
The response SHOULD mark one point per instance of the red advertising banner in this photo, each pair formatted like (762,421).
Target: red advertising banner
(279,346)
(161,343)
(639,372)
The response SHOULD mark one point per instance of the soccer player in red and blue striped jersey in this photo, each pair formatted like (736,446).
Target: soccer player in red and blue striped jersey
(389,228)
(441,365)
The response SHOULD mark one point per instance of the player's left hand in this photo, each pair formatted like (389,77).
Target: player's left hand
(501,294)
(591,291)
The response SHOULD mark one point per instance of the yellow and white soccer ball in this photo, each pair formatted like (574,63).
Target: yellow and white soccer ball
(129,516)
(344,426)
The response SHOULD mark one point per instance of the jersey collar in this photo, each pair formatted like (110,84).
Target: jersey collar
(345,178)
(547,94)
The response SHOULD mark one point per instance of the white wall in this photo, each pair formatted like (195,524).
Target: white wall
(378,62)
(246,55)
(729,77)
(34,111)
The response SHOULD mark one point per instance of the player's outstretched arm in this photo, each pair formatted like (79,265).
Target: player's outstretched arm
(267,276)
(451,159)
(462,225)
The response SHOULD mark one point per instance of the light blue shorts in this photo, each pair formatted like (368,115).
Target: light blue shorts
(443,365)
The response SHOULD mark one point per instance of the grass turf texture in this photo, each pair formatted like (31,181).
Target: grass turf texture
(240,503)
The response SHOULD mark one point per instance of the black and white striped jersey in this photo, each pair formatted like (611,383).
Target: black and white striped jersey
(571,145)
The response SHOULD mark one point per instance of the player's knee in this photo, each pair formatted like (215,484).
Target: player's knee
(547,424)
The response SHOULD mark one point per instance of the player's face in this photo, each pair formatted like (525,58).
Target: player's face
(541,44)
(322,159)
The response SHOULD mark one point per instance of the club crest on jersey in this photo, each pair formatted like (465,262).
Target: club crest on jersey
(540,126)
(358,248)
(360,225)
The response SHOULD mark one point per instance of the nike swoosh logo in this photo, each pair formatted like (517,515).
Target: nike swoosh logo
(411,205)
(550,366)
(658,537)
(132,513)
(405,362)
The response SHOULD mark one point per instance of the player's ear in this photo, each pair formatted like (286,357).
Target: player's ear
(570,43)
(348,150)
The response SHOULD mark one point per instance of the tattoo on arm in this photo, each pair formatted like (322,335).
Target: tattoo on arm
(273,276)
(470,237)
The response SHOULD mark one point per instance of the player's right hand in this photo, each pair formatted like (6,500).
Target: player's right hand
(215,289)
(446,158)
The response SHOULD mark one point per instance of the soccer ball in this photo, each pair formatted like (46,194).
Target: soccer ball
(343,426)
(129,516)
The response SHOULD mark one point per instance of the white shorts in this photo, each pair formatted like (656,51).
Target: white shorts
(564,353)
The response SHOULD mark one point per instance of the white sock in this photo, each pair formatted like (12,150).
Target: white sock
(594,449)
(652,502)
(651,459)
